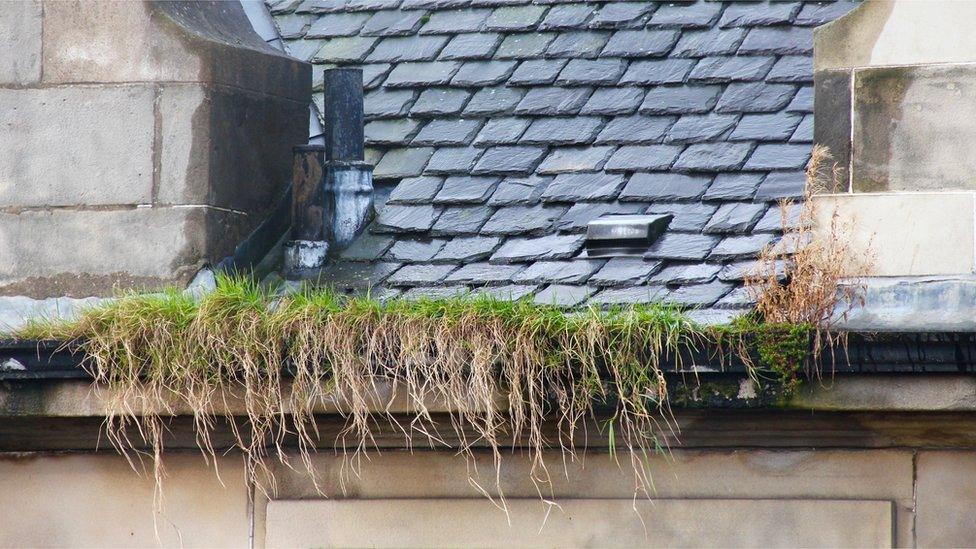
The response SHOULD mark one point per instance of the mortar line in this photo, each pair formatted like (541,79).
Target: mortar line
(914,498)
(156,146)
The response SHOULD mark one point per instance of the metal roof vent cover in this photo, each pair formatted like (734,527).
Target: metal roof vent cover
(624,235)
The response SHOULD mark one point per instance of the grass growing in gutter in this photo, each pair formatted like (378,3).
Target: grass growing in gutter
(505,369)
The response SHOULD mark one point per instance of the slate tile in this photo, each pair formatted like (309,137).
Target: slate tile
(781,185)
(559,272)
(358,275)
(686,216)
(582,213)
(414,251)
(741,246)
(451,160)
(683,246)
(630,158)
(534,249)
(281,7)
(778,41)
(368,247)
(570,16)
(578,44)
(390,132)
(815,14)
(803,101)
(766,127)
(393,23)
(304,49)
(471,46)
(352,49)
(698,273)
(738,270)
(779,157)
(465,249)
(522,220)
(373,74)
(733,186)
(559,295)
(756,14)
(451,131)
(419,293)
(577,130)
(422,74)
(681,15)
(502,131)
(493,101)
(339,24)
(418,275)
(416,190)
(657,71)
(455,21)
(553,101)
(509,292)
(524,191)
(804,132)
(524,45)
(699,295)
(613,15)
(731,68)
(652,187)
(400,163)
(705,43)
(739,298)
(693,128)
(735,217)
(484,273)
(625,271)
(714,157)
(594,72)
(627,296)
(371,5)
(440,102)
(434,4)
(294,25)
(402,219)
(792,68)
(483,73)
(535,72)
(573,187)
(680,99)
(460,220)
(407,48)
(509,160)
(613,101)
(465,190)
(496,3)
(640,43)
(515,18)
(574,160)
(755,97)
(321,6)
(773,221)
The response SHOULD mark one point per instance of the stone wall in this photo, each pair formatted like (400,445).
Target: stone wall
(139,141)
(732,497)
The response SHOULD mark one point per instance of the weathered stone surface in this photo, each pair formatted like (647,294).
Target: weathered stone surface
(699,295)
(455,21)
(663,71)
(460,220)
(502,131)
(405,48)
(369,247)
(531,249)
(467,249)
(390,132)
(713,156)
(440,102)
(465,190)
(537,72)
(682,246)
(393,23)
(731,69)
(635,130)
(522,220)
(419,275)
(737,247)
(107,160)
(625,271)
(699,14)
(553,101)
(781,185)
(493,101)
(592,72)
(577,130)
(509,160)
(559,295)
(394,218)
(804,131)
(709,42)
(524,45)
(566,17)
(574,159)
(693,128)
(740,186)
(735,217)
(766,127)
(653,187)
(339,24)
(755,97)
(20,37)
(751,15)
(399,163)
(414,251)
(471,46)
(622,15)
(578,44)
(643,158)
(352,49)
(778,157)
(640,43)
(945,492)
(519,191)
(803,101)
(572,187)
(452,160)
(484,273)
(483,73)
(636,294)
(558,272)
(422,74)
(448,132)
(387,103)
(792,68)
(698,273)
(613,101)
(778,41)
(680,100)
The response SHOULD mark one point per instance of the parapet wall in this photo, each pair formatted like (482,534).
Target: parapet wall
(139,141)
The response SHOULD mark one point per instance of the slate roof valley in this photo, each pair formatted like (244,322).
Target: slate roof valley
(499,128)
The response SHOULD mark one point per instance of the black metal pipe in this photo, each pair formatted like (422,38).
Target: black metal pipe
(343,113)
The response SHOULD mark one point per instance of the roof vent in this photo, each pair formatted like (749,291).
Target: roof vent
(624,235)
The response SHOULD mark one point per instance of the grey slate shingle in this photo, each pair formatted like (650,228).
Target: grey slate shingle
(563,295)
(696,273)
(680,99)
(804,131)
(387,103)
(417,275)
(493,101)
(515,220)
(792,68)
(448,132)
(519,191)
(735,217)
(524,45)
(369,247)
(422,74)
(741,247)
(460,220)
(747,14)
(713,157)
(709,42)
(733,186)
(509,160)
(515,18)
(483,73)
(613,101)
(682,246)
(778,41)
(696,15)
(635,130)
(582,213)
(352,49)
(815,14)
(731,68)
(622,15)
(396,131)
(577,44)
(626,296)
(568,16)
(625,271)
(471,46)
(658,71)
(440,102)
(573,187)
(577,130)
(452,160)
(393,23)
(552,101)
(455,21)
(766,127)
(755,97)
(803,101)
(533,249)
(416,190)
(396,219)
(536,72)
(558,272)
(399,163)
(340,24)
(778,157)
(640,43)
(466,249)
(592,72)
(414,251)
(654,187)
(502,131)
(780,185)
(686,216)
(630,158)
(484,273)
(699,295)
(574,160)
(407,48)
(692,128)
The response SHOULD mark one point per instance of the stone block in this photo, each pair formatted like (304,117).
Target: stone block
(20,40)
(946,494)
(71,146)
(912,127)
(937,241)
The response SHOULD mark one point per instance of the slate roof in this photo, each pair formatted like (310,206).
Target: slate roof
(499,128)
